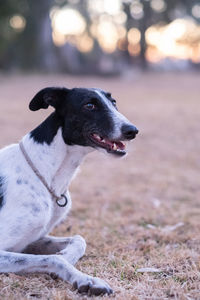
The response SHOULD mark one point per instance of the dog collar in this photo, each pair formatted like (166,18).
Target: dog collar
(37,173)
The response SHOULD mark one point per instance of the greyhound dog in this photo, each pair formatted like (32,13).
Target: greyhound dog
(35,175)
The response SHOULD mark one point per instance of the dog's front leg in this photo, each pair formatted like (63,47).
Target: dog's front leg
(20,262)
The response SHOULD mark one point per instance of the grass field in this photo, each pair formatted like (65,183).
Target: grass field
(139,212)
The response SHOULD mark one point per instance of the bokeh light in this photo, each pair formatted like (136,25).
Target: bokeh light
(85,43)
(173,40)
(107,36)
(136,10)
(196,11)
(134,36)
(67,21)
(178,39)
(18,23)
(105,6)
(158,5)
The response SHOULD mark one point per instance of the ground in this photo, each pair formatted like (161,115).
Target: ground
(138,212)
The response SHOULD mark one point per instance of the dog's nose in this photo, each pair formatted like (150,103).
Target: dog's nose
(129,131)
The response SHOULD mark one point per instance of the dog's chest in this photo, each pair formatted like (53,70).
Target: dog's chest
(29,213)
(45,214)
(57,213)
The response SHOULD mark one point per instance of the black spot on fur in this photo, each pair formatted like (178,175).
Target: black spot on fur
(60,267)
(35,209)
(45,260)
(46,204)
(20,261)
(1,191)
(19,181)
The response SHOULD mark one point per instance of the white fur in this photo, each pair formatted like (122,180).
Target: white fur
(26,193)
(116,116)
(29,213)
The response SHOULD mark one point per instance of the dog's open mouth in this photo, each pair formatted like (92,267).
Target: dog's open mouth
(115,147)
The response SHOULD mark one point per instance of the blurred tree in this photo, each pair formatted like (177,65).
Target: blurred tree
(26,33)
(7,34)
(150,12)
(35,46)
(29,48)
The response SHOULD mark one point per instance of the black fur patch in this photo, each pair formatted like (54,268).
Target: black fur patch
(47,130)
(1,191)
(79,123)
(72,116)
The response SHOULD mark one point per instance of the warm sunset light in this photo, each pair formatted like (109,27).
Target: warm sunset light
(85,43)
(175,40)
(134,36)
(170,40)
(107,35)
(105,6)
(103,36)
(67,21)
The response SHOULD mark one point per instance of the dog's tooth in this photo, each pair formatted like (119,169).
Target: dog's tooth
(115,147)
(96,136)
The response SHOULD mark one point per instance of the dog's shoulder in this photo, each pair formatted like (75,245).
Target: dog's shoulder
(8,152)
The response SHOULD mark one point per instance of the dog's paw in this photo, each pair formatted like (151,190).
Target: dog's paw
(92,286)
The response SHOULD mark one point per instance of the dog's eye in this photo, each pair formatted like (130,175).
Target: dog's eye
(90,106)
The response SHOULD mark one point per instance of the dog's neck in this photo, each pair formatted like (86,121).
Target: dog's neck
(56,162)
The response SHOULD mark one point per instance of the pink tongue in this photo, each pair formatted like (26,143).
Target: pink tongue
(119,144)
(108,142)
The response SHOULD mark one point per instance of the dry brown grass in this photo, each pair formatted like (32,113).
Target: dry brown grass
(124,207)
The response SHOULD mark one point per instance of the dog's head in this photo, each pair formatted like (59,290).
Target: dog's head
(88,117)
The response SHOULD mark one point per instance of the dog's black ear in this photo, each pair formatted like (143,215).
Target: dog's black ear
(49,96)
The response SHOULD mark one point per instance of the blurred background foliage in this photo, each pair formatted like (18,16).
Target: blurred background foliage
(99,36)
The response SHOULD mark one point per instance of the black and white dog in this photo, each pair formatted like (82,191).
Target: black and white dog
(35,175)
